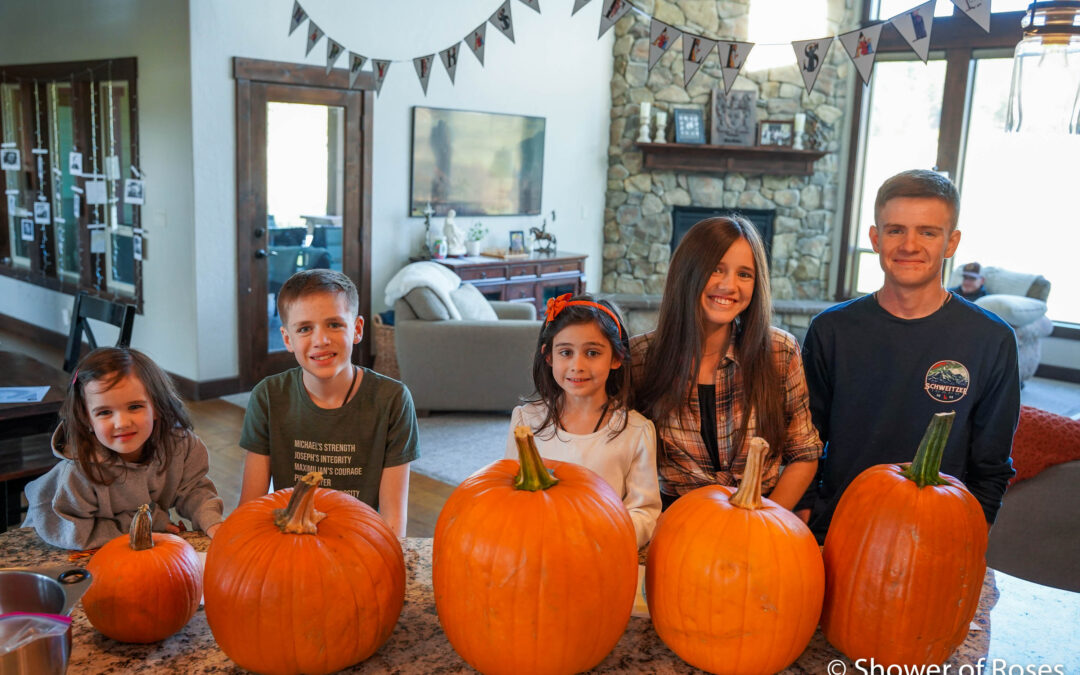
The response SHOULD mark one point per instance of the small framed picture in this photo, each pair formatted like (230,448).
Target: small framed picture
(75,163)
(136,247)
(133,191)
(776,132)
(517,241)
(26,226)
(42,213)
(9,159)
(689,125)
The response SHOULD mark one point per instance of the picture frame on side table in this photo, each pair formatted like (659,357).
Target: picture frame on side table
(689,125)
(776,132)
(517,241)
(733,117)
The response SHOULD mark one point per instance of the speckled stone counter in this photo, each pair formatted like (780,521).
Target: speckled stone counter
(1018,624)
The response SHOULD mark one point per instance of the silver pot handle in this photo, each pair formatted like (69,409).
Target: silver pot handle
(74,580)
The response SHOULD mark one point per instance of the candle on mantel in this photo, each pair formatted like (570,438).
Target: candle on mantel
(800,125)
(645,112)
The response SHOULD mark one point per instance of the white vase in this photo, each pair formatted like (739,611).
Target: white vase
(472,247)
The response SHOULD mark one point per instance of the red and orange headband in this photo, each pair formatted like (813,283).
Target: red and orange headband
(556,305)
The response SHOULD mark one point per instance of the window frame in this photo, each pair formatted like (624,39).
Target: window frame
(81,75)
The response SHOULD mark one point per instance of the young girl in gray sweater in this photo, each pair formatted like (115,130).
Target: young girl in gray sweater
(124,440)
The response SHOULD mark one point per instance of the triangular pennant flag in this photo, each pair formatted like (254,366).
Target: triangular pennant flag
(977,10)
(861,45)
(578,4)
(613,10)
(533,4)
(661,36)
(423,69)
(476,40)
(504,20)
(732,57)
(356,62)
(914,26)
(694,48)
(381,68)
(449,60)
(298,16)
(334,50)
(314,34)
(810,55)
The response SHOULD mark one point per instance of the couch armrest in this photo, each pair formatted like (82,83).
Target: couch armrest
(514,310)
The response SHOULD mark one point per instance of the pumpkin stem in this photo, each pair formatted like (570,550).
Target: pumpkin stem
(533,475)
(924,469)
(748,496)
(140,529)
(300,516)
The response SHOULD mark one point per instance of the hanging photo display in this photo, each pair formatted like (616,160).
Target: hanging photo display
(914,26)
(75,163)
(661,36)
(136,247)
(613,10)
(423,69)
(26,229)
(861,46)
(112,167)
(732,56)
(42,213)
(449,60)
(11,202)
(504,20)
(95,192)
(97,239)
(10,159)
(976,10)
(695,48)
(810,55)
(134,192)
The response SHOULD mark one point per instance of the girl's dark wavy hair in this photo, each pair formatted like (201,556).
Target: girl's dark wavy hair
(618,385)
(109,365)
(674,356)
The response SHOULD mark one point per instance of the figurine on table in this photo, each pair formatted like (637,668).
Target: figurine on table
(455,238)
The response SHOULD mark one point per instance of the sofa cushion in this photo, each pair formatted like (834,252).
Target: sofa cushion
(1005,282)
(472,305)
(426,305)
(1014,309)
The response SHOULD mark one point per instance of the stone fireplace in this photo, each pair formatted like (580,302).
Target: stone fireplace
(684,217)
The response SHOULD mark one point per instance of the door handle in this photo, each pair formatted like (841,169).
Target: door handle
(261,253)
(259,231)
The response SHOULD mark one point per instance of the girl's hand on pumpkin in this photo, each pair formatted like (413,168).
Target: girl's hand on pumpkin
(212,529)
(176,528)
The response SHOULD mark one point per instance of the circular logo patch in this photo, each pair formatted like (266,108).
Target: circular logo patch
(947,381)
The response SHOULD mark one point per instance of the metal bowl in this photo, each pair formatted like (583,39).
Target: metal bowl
(41,590)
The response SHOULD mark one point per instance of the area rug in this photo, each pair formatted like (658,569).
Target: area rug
(454,445)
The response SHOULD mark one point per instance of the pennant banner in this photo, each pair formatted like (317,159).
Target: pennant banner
(914,26)
(810,54)
(423,69)
(503,20)
(449,60)
(661,36)
(612,12)
(334,50)
(356,62)
(695,48)
(732,57)
(977,10)
(578,4)
(533,4)
(314,34)
(861,46)
(298,16)
(381,68)
(476,40)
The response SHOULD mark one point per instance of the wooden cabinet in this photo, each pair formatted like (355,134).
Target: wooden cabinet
(533,279)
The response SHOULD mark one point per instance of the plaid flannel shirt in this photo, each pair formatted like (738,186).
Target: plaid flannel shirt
(682,457)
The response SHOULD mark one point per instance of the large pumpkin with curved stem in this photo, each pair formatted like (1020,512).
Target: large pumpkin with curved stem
(905,558)
(534,572)
(304,580)
(734,582)
(146,586)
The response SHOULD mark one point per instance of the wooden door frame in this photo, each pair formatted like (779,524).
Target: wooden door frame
(254,79)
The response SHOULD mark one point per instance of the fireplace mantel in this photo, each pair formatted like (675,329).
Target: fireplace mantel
(773,160)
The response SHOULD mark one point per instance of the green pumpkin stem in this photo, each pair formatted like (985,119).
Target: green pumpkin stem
(748,496)
(533,475)
(924,469)
(140,529)
(300,516)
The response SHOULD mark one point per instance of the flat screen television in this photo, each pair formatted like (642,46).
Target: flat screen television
(479,164)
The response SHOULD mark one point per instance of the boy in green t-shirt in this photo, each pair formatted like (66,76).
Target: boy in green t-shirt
(355,426)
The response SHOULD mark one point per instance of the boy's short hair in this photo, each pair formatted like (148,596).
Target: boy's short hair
(309,282)
(919,183)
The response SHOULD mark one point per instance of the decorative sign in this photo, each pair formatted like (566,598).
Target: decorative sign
(734,117)
(695,48)
(661,36)
(861,46)
(914,26)
(810,54)
(504,20)
(732,57)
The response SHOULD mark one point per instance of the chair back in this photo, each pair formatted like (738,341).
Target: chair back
(89,307)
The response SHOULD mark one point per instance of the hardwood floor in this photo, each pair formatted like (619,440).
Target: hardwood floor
(218,424)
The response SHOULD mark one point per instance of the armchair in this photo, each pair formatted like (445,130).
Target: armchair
(482,361)
(1020,299)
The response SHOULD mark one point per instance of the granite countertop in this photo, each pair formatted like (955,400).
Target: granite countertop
(1033,625)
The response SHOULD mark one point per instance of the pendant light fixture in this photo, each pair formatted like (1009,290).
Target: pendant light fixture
(1045,94)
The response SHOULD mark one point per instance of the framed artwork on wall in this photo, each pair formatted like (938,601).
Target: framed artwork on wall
(734,117)
(689,125)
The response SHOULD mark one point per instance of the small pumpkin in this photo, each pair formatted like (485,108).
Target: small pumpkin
(304,580)
(905,558)
(146,585)
(534,566)
(734,581)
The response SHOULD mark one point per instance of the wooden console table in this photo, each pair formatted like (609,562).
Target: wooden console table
(533,279)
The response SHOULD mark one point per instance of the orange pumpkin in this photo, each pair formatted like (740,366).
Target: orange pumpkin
(146,585)
(534,572)
(734,582)
(304,580)
(905,558)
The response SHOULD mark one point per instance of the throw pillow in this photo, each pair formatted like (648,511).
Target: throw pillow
(1016,310)
(472,305)
(1042,440)
(426,305)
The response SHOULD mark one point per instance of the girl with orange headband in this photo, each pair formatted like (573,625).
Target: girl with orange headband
(714,373)
(580,411)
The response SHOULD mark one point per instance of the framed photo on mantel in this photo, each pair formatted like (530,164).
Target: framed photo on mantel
(689,126)
(734,117)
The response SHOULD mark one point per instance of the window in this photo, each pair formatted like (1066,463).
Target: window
(68,225)
(950,114)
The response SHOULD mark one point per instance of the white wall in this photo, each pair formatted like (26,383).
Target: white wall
(557,69)
(43,31)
